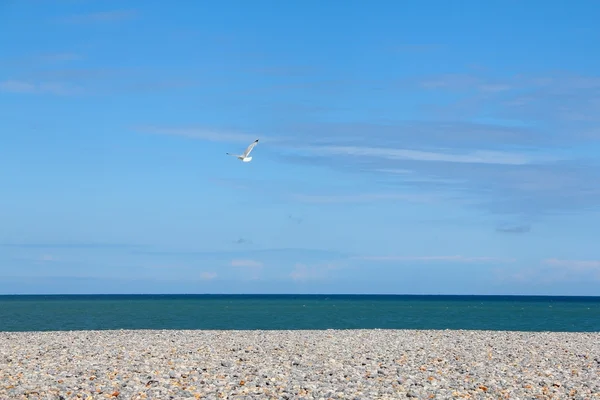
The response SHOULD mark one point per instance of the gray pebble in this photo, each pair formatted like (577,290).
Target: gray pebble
(347,364)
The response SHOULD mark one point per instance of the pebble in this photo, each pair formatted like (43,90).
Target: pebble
(344,364)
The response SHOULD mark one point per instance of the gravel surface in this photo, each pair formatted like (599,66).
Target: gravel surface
(347,364)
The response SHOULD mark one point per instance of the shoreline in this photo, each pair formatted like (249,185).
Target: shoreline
(294,364)
(252,330)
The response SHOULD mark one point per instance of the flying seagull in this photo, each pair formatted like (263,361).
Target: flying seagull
(244,157)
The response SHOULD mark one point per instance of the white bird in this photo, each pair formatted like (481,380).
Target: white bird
(244,157)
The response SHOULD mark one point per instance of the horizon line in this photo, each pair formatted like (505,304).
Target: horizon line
(297,294)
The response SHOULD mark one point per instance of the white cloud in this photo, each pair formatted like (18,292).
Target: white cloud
(474,157)
(509,145)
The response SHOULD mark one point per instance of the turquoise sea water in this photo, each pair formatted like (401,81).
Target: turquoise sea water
(76,312)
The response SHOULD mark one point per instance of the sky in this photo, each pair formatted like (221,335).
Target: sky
(414,147)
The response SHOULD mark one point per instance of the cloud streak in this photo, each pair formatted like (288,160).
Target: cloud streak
(211,135)
(74,245)
(60,57)
(26,87)
(513,229)
(38,59)
(506,145)
(207,276)
(554,271)
(101,17)
(455,258)
(302,272)
(475,157)
(244,263)
(574,265)
(361,198)
(560,98)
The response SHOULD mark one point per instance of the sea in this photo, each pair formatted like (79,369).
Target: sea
(298,312)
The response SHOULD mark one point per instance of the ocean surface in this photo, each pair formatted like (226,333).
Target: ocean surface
(83,312)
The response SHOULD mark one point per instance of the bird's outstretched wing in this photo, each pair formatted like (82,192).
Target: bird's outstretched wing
(249,149)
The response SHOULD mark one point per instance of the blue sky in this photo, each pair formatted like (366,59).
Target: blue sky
(405,147)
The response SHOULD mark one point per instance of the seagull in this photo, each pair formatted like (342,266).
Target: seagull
(244,157)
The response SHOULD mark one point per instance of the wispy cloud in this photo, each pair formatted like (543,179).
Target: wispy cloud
(563,270)
(574,265)
(514,228)
(73,245)
(414,48)
(101,16)
(286,71)
(246,263)
(207,276)
(92,81)
(24,87)
(159,85)
(361,198)
(302,272)
(558,97)
(248,269)
(48,257)
(456,258)
(83,75)
(420,134)
(17,87)
(38,59)
(212,135)
(465,82)
(553,271)
(475,157)
(507,145)
(60,57)
(312,140)
(245,255)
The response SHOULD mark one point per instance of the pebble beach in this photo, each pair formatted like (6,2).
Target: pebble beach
(325,364)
